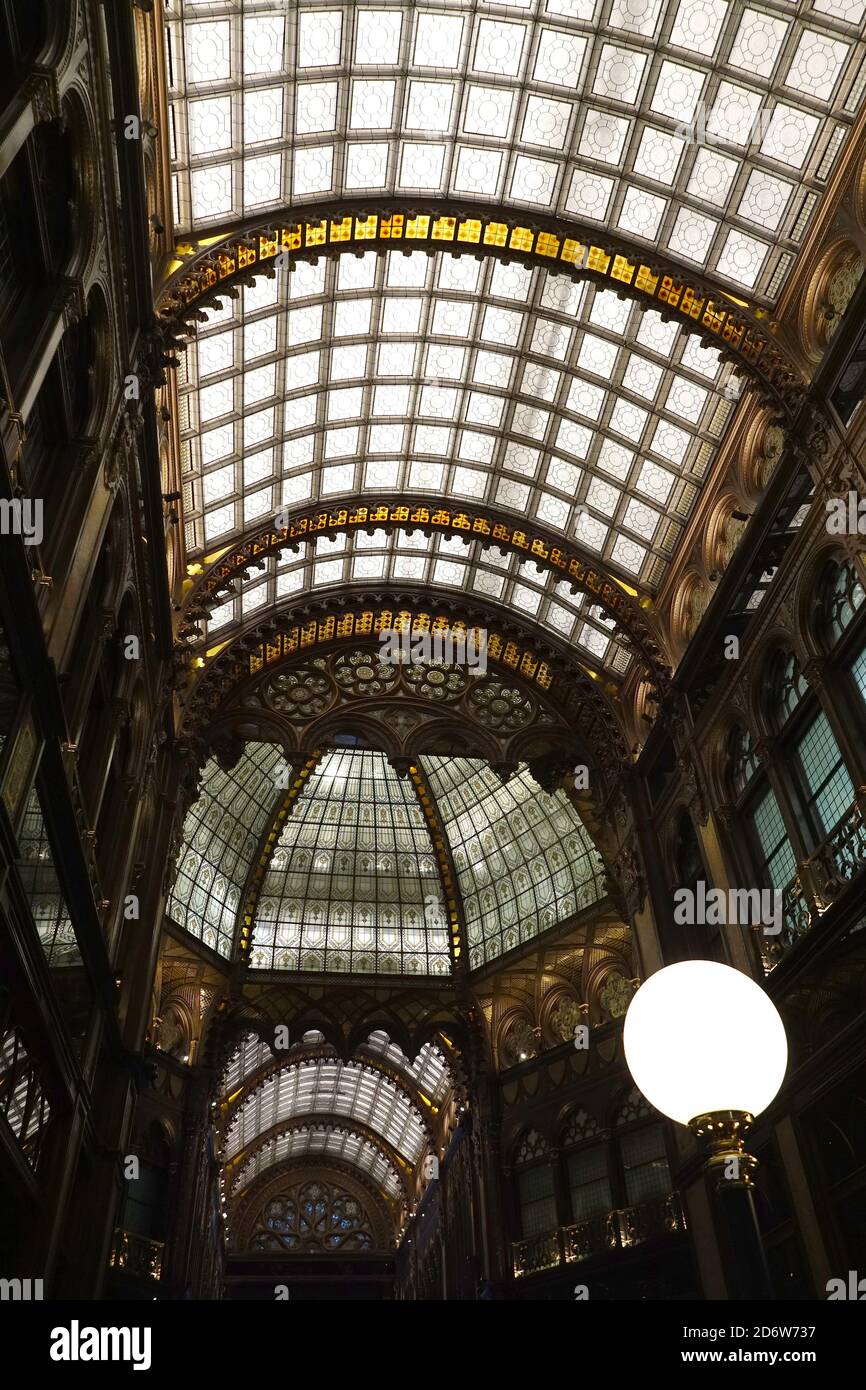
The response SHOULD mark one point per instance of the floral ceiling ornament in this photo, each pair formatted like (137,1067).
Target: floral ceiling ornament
(521,1043)
(567,1017)
(616,995)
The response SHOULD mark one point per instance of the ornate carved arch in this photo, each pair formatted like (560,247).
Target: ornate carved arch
(529,540)
(250,247)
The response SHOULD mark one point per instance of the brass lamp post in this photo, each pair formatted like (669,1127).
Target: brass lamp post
(706,1046)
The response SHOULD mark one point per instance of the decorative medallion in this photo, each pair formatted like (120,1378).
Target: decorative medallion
(499,706)
(362,674)
(301,693)
(434,681)
(616,995)
(566,1019)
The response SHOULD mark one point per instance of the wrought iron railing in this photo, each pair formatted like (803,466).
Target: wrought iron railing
(621,1229)
(137,1255)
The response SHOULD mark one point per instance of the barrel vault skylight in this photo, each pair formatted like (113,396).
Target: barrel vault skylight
(703,131)
(486,383)
(302,1103)
(329,1088)
(428,1072)
(568,106)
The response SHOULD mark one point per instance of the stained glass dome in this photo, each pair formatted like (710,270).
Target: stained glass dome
(344,874)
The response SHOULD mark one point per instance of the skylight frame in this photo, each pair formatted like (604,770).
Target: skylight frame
(625,65)
(540,436)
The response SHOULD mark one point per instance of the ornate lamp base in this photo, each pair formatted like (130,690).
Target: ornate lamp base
(723,1134)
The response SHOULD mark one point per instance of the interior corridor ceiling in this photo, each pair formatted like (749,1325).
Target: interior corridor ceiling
(698,133)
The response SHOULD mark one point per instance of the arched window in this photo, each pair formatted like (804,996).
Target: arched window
(839,595)
(586,1166)
(820,778)
(787,688)
(536,1195)
(642,1151)
(313,1217)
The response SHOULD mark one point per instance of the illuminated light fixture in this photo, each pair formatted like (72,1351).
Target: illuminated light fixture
(703,1039)
(707,1047)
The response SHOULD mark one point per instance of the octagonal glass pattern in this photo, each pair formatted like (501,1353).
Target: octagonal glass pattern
(705,128)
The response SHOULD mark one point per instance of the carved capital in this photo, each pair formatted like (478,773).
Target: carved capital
(43,90)
(764,749)
(816,671)
(71,301)
(627,886)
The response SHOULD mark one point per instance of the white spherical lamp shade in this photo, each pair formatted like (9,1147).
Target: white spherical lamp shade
(700,1037)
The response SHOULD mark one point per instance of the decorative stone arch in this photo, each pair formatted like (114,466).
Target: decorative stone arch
(270,1184)
(515,1136)
(528,540)
(724,527)
(717,755)
(463,723)
(78,118)
(250,247)
(827,295)
(761,451)
(825,549)
(777,640)
(689,603)
(586,707)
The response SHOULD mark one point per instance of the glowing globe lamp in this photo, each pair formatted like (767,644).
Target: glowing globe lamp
(701,1037)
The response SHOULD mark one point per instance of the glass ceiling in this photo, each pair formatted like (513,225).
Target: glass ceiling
(568,106)
(352,883)
(329,1143)
(329,1088)
(429,1071)
(221,834)
(522,856)
(447,376)
(347,883)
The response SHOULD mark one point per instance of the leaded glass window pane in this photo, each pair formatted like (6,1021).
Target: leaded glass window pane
(778,862)
(537,1201)
(523,858)
(43,891)
(588,1183)
(839,597)
(645,1164)
(788,686)
(831,790)
(858,671)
